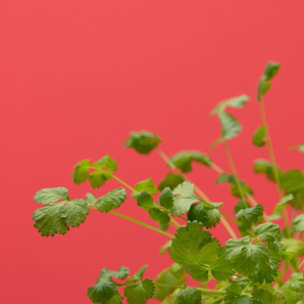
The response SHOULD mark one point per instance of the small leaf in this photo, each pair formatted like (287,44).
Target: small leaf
(166,198)
(161,217)
(139,292)
(198,213)
(139,274)
(271,70)
(51,195)
(259,137)
(230,126)
(98,178)
(146,185)
(143,142)
(265,167)
(190,295)
(111,200)
(184,198)
(106,163)
(74,212)
(171,180)
(145,200)
(247,217)
(184,159)
(298,223)
(284,202)
(235,102)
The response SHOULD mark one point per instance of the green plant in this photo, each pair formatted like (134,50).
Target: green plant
(263,265)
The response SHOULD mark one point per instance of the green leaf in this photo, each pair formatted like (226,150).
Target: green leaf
(138,275)
(265,167)
(106,163)
(190,295)
(139,292)
(235,102)
(111,200)
(184,198)
(169,280)
(143,142)
(230,126)
(292,181)
(248,217)
(81,172)
(214,217)
(98,178)
(51,195)
(271,70)
(298,223)
(56,218)
(147,185)
(184,159)
(253,260)
(284,202)
(198,213)
(259,137)
(263,87)
(268,232)
(166,198)
(104,291)
(292,248)
(145,200)
(171,180)
(161,217)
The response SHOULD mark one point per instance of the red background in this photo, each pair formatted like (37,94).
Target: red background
(77,76)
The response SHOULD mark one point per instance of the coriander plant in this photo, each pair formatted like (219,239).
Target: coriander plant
(261,263)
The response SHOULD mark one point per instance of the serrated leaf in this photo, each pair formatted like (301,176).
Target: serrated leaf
(292,181)
(268,232)
(249,216)
(139,292)
(139,274)
(298,223)
(184,197)
(184,159)
(214,217)
(171,180)
(235,102)
(229,125)
(98,178)
(80,174)
(169,280)
(161,217)
(145,185)
(145,200)
(56,218)
(190,295)
(143,142)
(259,136)
(107,163)
(51,195)
(111,200)
(166,198)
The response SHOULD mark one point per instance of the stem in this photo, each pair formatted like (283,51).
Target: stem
(123,183)
(233,169)
(133,220)
(211,292)
(164,156)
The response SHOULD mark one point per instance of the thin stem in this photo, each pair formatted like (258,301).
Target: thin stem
(211,292)
(167,160)
(123,183)
(233,169)
(133,220)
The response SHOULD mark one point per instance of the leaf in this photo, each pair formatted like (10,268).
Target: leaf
(190,295)
(184,159)
(265,167)
(292,181)
(263,87)
(214,217)
(166,198)
(249,216)
(184,198)
(145,200)
(169,280)
(253,260)
(198,213)
(104,291)
(143,142)
(235,102)
(111,200)
(292,248)
(230,126)
(259,136)
(81,172)
(56,218)
(139,292)
(268,232)
(171,180)
(51,195)
(138,275)
(161,217)
(147,185)
(284,202)
(271,70)
(98,178)
(298,223)
(106,163)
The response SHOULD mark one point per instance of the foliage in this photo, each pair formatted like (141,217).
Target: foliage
(262,261)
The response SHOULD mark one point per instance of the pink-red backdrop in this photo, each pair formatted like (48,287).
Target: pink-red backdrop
(77,76)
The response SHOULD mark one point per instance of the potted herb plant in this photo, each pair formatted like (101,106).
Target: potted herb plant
(261,263)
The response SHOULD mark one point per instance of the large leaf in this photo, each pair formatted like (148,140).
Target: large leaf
(111,200)
(184,197)
(184,159)
(268,232)
(235,102)
(143,142)
(51,195)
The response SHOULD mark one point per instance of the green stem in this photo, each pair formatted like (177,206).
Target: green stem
(233,169)
(211,292)
(133,220)
(123,183)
